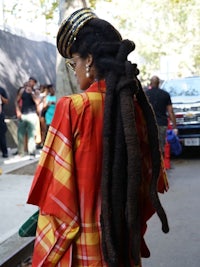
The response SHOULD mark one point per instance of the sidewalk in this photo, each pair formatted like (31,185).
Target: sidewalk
(14,189)
(14,162)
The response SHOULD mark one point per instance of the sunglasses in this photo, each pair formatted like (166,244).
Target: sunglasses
(71,63)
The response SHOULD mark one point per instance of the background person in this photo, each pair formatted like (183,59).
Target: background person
(93,179)
(28,119)
(18,107)
(162,106)
(49,105)
(32,82)
(41,113)
(0,105)
(3,126)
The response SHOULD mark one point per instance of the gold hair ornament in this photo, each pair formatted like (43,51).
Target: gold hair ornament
(70,28)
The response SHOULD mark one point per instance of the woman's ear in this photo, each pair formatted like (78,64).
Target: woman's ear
(89,60)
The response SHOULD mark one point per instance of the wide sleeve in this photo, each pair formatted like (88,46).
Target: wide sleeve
(54,191)
(146,161)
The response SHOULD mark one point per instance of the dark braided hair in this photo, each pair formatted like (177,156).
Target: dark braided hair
(121,173)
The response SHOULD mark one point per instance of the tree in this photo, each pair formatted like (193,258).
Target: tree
(33,13)
(65,79)
(166,35)
(164,32)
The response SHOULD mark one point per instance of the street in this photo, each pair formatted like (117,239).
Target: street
(181,246)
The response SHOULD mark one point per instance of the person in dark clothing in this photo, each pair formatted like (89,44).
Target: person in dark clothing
(27,115)
(3,127)
(162,106)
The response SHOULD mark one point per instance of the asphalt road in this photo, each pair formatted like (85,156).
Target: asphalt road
(181,246)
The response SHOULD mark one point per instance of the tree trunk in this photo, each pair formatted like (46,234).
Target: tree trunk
(65,79)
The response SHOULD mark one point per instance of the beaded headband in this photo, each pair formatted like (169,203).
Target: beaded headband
(70,28)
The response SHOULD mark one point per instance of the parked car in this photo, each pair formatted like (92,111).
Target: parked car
(185,95)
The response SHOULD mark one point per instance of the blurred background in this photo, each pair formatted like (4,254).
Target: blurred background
(166,34)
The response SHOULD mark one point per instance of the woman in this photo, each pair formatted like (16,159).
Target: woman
(26,111)
(96,182)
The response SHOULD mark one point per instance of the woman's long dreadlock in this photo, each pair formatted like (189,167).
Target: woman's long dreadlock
(121,178)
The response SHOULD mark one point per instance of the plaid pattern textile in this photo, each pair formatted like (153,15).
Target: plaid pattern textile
(66,185)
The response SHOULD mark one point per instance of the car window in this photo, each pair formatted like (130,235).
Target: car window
(183,87)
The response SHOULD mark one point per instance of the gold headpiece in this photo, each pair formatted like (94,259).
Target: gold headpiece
(70,28)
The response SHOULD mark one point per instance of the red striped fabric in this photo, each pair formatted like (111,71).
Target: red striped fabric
(66,185)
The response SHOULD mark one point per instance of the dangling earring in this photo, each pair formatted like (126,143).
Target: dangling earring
(87,71)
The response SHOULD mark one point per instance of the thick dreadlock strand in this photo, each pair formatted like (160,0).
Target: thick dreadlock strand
(134,173)
(128,87)
(131,175)
(121,186)
(109,250)
(117,242)
(132,149)
(155,154)
(118,189)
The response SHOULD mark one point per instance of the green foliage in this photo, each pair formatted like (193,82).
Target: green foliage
(162,30)
(180,1)
(166,34)
(92,3)
(49,13)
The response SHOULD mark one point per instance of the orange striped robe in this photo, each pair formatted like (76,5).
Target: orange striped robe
(66,185)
